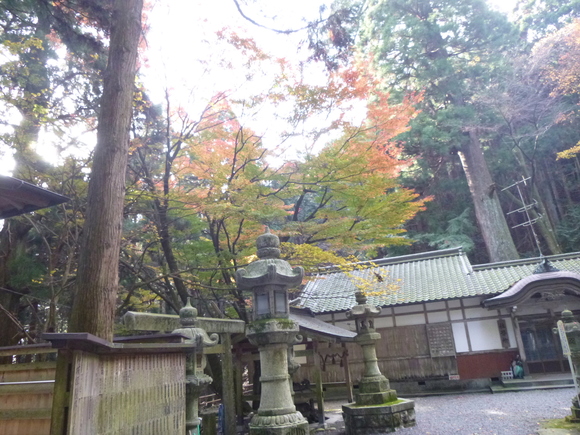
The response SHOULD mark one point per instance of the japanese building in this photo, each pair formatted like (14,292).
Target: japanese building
(444,319)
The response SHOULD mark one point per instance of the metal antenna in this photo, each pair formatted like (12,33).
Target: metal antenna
(529,222)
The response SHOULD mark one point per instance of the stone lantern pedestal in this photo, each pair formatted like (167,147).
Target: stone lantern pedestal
(377,408)
(272,331)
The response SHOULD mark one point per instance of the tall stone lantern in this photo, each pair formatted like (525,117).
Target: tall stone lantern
(272,331)
(377,408)
(195,377)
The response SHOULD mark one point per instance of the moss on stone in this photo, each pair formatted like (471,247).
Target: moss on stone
(394,402)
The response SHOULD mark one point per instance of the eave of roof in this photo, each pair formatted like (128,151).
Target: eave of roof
(18,197)
(522,290)
(312,326)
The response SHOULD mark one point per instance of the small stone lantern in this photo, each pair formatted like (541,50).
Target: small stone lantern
(195,364)
(377,408)
(272,331)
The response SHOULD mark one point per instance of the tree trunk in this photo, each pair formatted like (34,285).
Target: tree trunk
(544,224)
(488,211)
(98,274)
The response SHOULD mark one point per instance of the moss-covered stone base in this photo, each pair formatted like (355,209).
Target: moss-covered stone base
(368,420)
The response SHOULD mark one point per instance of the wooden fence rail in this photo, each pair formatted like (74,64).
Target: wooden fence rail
(26,389)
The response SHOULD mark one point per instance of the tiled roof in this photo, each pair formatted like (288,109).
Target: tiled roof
(310,324)
(431,276)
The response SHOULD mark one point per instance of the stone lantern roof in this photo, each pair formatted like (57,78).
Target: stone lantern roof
(269,269)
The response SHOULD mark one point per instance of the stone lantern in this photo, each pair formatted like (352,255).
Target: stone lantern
(572,330)
(272,331)
(377,408)
(195,364)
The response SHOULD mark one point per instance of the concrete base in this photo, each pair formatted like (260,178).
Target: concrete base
(286,424)
(369,420)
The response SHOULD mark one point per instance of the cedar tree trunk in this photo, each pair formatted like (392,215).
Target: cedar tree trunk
(488,211)
(98,277)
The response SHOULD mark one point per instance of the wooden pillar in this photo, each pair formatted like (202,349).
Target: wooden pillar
(347,377)
(228,393)
(318,380)
(239,384)
(61,395)
(518,335)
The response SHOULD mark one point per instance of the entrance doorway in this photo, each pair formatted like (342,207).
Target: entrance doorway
(542,347)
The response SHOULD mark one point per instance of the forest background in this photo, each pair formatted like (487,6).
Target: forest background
(390,127)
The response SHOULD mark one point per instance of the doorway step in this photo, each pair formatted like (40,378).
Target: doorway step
(534,382)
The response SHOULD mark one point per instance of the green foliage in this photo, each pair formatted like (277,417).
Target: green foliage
(459,232)
(25,271)
(568,230)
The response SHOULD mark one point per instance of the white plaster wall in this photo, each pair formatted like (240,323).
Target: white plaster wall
(456,314)
(470,302)
(408,309)
(455,303)
(460,337)
(325,317)
(410,319)
(300,359)
(484,335)
(474,313)
(435,306)
(437,317)
(383,322)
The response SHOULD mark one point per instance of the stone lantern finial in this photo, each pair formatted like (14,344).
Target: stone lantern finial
(268,245)
(188,315)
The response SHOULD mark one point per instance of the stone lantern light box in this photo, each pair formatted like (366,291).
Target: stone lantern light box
(269,279)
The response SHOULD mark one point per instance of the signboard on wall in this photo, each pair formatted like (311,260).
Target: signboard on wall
(440,336)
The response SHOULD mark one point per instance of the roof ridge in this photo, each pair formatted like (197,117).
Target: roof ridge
(525,261)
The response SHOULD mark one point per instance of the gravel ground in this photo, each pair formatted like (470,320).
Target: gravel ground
(516,413)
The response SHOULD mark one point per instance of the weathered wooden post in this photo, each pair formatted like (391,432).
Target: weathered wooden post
(272,331)
(104,387)
(223,327)
(377,408)
(195,363)
(569,330)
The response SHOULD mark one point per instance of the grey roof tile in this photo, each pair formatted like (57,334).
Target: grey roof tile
(425,277)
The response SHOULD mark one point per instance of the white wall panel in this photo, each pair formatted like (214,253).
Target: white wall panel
(460,337)
(410,319)
(435,306)
(455,303)
(383,322)
(408,309)
(484,335)
(439,316)
(474,313)
(455,315)
(470,302)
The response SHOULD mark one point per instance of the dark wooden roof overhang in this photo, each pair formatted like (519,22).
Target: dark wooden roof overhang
(18,197)
(318,329)
(552,282)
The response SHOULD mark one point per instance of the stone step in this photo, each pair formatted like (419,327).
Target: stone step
(531,382)
(506,389)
